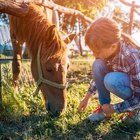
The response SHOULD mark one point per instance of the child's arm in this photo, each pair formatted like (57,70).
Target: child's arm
(84,102)
(91,91)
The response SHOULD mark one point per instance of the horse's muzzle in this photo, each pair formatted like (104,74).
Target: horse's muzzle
(53,112)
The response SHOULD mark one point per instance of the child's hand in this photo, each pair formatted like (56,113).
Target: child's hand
(84,102)
(108,109)
(83,105)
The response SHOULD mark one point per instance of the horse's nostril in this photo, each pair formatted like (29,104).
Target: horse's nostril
(53,113)
(57,113)
(48,107)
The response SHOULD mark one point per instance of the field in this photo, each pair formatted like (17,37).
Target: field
(24,117)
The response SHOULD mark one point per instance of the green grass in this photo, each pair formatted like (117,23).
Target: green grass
(24,117)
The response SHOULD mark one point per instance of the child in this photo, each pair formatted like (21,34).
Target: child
(116,69)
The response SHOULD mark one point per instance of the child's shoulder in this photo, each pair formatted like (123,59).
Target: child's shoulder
(129,49)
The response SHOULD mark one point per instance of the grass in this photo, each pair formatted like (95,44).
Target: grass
(24,117)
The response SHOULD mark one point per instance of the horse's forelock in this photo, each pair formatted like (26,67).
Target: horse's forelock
(55,49)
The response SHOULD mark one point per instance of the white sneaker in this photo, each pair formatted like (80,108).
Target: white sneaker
(97,115)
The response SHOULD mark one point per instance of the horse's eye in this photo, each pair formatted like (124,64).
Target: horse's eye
(49,70)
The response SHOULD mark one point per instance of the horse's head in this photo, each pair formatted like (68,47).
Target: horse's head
(55,71)
(50,70)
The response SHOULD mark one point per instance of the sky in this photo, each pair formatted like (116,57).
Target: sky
(127,8)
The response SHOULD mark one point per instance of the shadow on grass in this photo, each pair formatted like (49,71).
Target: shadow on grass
(45,127)
(122,131)
(30,127)
(83,130)
(86,130)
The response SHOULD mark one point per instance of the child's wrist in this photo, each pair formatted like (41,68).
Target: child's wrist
(88,95)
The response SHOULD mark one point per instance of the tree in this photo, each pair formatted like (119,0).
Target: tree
(87,7)
(79,14)
(70,23)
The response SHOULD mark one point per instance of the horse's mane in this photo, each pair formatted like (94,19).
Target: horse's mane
(41,31)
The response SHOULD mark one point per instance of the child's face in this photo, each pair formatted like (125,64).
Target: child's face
(105,53)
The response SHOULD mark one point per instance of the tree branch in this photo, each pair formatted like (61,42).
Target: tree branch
(13,8)
(66,11)
(21,8)
(136,10)
(129,4)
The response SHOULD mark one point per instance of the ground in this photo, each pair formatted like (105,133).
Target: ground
(24,116)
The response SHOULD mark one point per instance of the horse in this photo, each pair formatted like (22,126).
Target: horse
(52,15)
(48,53)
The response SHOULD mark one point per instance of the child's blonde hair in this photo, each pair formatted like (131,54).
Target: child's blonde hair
(104,32)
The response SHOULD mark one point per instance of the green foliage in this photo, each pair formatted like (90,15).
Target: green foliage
(87,7)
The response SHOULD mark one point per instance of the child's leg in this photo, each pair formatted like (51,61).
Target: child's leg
(99,70)
(119,84)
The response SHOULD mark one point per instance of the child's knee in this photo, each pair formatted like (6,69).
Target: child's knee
(110,82)
(118,83)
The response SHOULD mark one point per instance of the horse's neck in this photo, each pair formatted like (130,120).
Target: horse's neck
(53,16)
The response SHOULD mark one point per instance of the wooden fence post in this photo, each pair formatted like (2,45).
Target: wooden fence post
(133,9)
(0,86)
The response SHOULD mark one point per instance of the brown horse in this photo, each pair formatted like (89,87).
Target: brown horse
(48,52)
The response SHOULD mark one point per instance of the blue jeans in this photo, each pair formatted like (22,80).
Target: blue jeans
(106,81)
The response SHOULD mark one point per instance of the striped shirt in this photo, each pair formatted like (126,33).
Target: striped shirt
(127,61)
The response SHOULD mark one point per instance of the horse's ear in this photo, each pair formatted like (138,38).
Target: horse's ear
(51,32)
(69,38)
